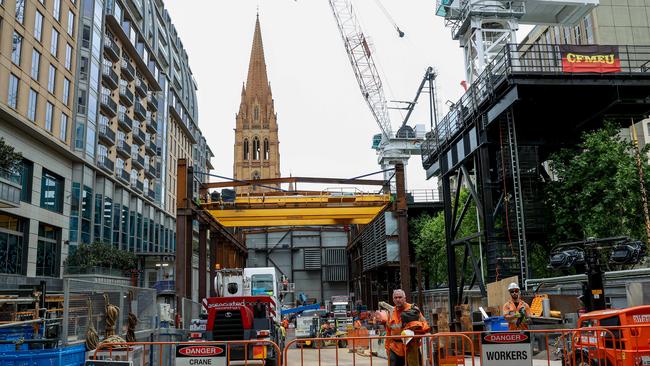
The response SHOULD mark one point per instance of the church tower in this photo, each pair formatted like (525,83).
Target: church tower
(257,154)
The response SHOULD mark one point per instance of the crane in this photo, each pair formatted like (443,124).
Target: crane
(392,148)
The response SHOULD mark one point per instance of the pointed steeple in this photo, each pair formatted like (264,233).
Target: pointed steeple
(257,81)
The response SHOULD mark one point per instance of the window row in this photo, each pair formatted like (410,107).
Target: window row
(256,149)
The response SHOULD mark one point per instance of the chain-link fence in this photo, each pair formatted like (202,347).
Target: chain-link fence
(85,303)
(191,310)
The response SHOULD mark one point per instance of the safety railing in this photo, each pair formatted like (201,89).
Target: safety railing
(242,352)
(518,60)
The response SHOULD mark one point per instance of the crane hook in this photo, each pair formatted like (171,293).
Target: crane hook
(399,32)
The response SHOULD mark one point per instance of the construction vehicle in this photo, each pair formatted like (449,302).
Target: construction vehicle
(245,308)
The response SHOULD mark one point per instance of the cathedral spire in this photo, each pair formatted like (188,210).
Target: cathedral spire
(257,81)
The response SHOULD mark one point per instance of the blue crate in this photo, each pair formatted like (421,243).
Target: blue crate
(496,324)
(67,356)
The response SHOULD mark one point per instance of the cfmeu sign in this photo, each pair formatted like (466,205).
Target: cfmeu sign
(196,355)
(506,349)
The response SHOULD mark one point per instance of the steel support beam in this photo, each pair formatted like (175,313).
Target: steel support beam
(184,215)
(239,183)
(403,229)
(213,261)
(203,256)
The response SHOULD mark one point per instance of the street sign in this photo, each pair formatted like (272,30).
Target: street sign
(107,363)
(506,349)
(198,355)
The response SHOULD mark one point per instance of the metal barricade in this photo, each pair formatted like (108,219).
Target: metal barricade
(432,349)
(229,353)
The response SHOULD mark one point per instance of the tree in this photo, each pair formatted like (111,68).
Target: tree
(596,191)
(430,241)
(98,254)
(9,158)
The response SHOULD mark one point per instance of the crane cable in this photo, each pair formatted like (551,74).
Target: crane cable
(390,18)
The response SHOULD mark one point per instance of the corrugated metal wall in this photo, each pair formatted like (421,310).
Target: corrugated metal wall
(379,242)
(317,264)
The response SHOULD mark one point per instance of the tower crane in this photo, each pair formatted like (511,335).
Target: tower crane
(392,148)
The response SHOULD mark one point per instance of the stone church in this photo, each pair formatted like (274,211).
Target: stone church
(257,149)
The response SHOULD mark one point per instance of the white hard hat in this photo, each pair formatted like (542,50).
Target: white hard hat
(513,286)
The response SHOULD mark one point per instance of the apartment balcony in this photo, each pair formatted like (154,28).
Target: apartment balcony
(10,189)
(108,105)
(137,185)
(106,134)
(141,87)
(111,49)
(151,194)
(109,77)
(138,135)
(139,112)
(150,172)
(123,149)
(105,164)
(126,95)
(176,111)
(152,103)
(136,159)
(123,175)
(128,71)
(152,125)
(151,148)
(124,121)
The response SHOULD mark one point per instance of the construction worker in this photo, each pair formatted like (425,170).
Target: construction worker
(516,311)
(395,348)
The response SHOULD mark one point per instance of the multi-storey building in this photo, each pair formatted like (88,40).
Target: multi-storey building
(131,113)
(38,45)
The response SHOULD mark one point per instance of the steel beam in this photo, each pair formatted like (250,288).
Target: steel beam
(402,226)
(239,183)
(203,256)
(184,214)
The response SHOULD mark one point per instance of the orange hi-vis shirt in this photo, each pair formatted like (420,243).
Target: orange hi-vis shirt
(394,328)
(509,311)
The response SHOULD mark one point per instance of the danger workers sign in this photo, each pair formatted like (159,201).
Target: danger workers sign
(506,349)
(590,58)
(505,338)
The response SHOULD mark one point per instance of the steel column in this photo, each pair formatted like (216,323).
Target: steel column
(184,214)
(203,256)
(402,225)
(213,261)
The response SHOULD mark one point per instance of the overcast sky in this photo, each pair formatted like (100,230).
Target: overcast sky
(325,126)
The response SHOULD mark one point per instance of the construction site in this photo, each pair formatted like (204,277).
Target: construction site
(267,269)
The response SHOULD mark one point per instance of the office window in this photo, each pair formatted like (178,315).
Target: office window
(16,48)
(56,11)
(26,175)
(31,104)
(52,191)
(36,64)
(47,255)
(51,79)
(20,11)
(66,91)
(63,127)
(12,95)
(54,46)
(49,110)
(68,56)
(13,245)
(70,22)
(38,26)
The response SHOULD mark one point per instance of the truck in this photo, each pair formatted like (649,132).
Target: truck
(246,308)
(340,309)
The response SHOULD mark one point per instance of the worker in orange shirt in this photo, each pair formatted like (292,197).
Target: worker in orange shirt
(395,348)
(516,311)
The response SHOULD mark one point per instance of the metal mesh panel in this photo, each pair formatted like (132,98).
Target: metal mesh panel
(335,256)
(76,310)
(374,244)
(336,273)
(312,258)
(191,310)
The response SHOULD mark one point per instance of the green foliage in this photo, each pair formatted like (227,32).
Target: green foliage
(596,192)
(428,237)
(98,254)
(9,158)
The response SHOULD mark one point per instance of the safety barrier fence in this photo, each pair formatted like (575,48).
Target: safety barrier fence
(250,352)
(613,346)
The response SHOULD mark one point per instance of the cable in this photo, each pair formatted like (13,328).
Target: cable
(242,181)
(390,18)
